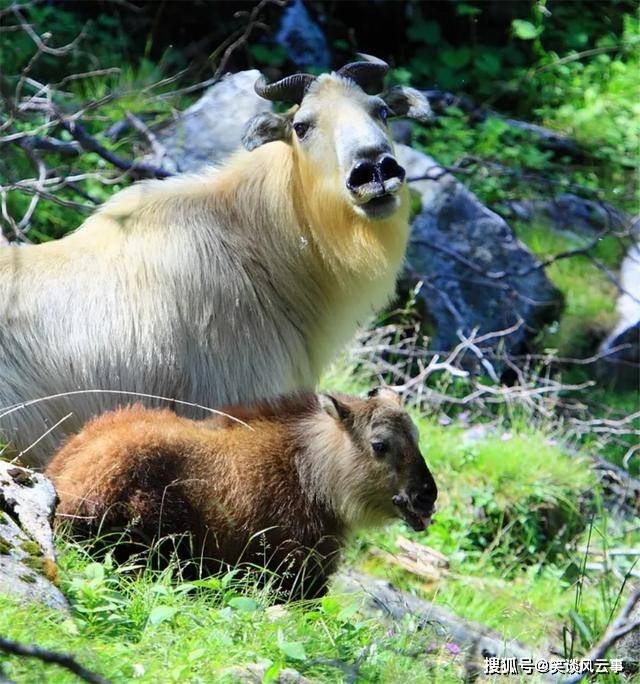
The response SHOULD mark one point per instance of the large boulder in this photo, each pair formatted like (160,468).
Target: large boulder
(476,274)
(211,129)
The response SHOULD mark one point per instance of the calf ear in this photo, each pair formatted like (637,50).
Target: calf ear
(386,394)
(334,407)
(264,128)
(404,101)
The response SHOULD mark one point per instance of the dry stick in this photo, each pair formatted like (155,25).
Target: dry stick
(624,624)
(156,146)
(63,659)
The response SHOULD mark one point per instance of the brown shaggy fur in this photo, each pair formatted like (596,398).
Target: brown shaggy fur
(278,486)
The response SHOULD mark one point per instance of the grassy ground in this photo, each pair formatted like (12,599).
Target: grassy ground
(515,511)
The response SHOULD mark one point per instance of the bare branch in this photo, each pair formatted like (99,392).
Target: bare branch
(41,41)
(90,144)
(62,659)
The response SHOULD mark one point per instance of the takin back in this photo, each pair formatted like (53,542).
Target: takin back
(278,486)
(234,285)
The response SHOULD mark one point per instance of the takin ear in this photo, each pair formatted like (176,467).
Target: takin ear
(334,407)
(403,101)
(385,394)
(264,128)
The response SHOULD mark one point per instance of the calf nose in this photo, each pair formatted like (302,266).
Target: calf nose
(425,500)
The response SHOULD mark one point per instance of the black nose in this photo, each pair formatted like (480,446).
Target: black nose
(388,167)
(425,500)
(362,173)
(366,171)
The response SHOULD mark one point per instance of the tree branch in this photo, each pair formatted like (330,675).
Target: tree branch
(62,659)
(90,144)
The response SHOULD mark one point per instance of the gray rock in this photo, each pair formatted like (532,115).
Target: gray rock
(211,129)
(622,346)
(567,213)
(302,38)
(475,272)
(27,556)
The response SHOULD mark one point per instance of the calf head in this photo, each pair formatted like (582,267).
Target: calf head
(384,471)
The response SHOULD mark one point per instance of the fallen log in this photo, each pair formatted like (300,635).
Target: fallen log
(384,600)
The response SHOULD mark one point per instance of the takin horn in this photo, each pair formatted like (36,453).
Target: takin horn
(368,74)
(289,89)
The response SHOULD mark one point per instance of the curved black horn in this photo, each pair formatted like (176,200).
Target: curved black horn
(289,89)
(368,74)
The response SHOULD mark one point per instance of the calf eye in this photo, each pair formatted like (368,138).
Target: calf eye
(379,448)
(300,127)
(383,114)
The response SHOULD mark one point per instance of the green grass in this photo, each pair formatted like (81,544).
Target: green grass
(505,498)
(590,296)
(152,628)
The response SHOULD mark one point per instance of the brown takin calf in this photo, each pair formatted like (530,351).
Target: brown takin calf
(278,486)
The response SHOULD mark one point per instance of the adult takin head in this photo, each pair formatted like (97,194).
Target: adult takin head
(338,130)
(279,485)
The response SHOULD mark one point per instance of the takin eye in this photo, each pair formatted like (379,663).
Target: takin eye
(379,448)
(383,114)
(301,128)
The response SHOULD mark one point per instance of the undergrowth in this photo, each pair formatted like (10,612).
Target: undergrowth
(507,522)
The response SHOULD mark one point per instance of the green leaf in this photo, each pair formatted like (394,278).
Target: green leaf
(244,604)
(271,673)
(349,611)
(161,614)
(271,56)
(524,30)
(330,605)
(456,58)
(293,649)
(585,632)
(213,583)
(488,63)
(196,654)
(402,76)
(94,571)
(464,9)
